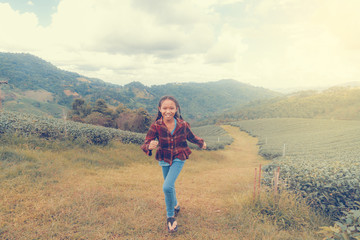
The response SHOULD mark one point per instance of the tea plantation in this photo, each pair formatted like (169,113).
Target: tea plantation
(52,128)
(318,158)
(214,136)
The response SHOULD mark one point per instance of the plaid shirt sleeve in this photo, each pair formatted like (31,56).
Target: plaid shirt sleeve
(151,135)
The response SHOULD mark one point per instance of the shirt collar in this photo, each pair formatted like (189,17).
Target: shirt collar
(179,123)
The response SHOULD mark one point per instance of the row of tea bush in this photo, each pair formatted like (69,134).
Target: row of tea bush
(53,128)
(318,158)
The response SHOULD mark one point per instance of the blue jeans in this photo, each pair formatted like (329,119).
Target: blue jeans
(170,174)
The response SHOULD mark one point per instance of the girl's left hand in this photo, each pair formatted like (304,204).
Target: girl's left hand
(204,146)
(153,144)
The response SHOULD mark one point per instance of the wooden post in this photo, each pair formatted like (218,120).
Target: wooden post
(2,82)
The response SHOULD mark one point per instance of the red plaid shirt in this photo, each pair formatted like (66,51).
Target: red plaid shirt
(171,146)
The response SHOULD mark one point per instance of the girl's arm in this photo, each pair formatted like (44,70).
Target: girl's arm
(191,137)
(150,136)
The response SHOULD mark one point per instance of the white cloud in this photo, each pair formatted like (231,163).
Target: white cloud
(342,20)
(294,43)
(19,32)
(228,47)
(30,3)
(269,43)
(119,27)
(181,12)
(211,3)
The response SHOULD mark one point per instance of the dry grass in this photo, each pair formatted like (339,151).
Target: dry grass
(116,193)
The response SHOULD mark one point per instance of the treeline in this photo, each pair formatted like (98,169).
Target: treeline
(100,114)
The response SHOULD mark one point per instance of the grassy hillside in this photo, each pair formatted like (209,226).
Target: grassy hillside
(334,103)
(337,103)
(31,106)
(26,73)
(202,100)
(37,84)
(60,190)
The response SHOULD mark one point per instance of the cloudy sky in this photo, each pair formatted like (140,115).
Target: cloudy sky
(268,43)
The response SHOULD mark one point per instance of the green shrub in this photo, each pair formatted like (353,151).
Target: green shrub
(348,227)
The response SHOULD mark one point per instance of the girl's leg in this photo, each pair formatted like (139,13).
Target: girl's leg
(169,186)
(165,170)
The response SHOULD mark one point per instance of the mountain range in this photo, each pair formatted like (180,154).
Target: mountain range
(37,86)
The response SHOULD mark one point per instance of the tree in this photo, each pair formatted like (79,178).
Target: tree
(100,106)
(96,118)
(120,108)
(79,109)
(143,120)
(77,106)
(100,114)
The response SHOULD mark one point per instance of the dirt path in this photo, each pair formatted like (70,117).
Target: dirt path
(232,171)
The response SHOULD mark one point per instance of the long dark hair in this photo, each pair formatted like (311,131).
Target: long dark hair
(177,114)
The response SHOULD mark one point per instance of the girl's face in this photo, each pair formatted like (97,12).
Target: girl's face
(168,109)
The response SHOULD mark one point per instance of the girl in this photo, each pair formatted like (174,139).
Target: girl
(172,150)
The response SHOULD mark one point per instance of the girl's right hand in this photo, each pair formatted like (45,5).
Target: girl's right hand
(153,144)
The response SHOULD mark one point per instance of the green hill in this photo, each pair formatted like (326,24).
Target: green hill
(199,100)
(37,86)
(333,103)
